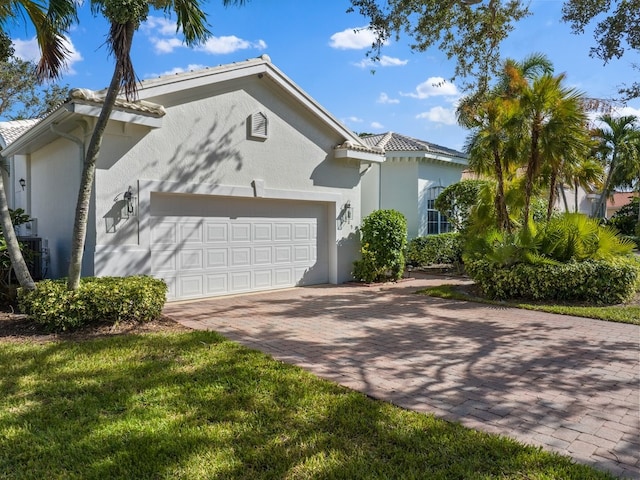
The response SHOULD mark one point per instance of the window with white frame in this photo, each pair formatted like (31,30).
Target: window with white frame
(436,222)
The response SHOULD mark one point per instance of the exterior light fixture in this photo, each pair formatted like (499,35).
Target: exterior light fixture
(23,183)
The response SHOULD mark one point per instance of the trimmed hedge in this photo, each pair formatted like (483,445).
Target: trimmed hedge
(110,299)
(593,281)
(384,238)
(435,249)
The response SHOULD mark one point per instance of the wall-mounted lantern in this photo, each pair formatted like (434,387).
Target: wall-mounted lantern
(23,183)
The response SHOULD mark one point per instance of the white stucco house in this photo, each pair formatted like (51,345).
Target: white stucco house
(223,180)
(410,179)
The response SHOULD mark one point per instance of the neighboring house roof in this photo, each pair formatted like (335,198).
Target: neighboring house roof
(153,92)
(620,199)
(11,130)
(402,146)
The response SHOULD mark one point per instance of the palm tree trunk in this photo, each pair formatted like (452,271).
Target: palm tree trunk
(502,214)
(605,190)
(575,196)
(88,175)
(564,198)
(15,254)
(553,182)
(532,168)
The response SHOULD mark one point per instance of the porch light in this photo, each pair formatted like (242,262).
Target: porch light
(23,183)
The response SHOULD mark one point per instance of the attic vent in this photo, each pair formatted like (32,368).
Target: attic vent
(258,126)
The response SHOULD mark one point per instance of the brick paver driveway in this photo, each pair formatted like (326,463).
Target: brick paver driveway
(565,383)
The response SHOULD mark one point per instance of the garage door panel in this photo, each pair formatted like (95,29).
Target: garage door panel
(190,286)
(262,232)
(262,278)
(190,260)
(217,284)
(163,261)
(217,258)
(240,281)
(260,245)
(164,233)
(216,233)
(241,232)
(240,257)
(282,232)
(262,255)
(191,233)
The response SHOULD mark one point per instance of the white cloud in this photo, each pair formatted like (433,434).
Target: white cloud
(166,45)
(29,50)
(433,87)
(385,61)
(385,99)
(173,71)
(159,26)
(352,119)
(353,39)
(439,115)
(377,126)
(162,35)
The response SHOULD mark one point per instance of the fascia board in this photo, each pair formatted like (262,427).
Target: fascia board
(357,155)
(39,130)
(117,115)
(416,156)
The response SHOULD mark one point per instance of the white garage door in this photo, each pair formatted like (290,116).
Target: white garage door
(205,246)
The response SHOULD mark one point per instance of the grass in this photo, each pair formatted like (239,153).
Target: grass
(615,313)
(193,405)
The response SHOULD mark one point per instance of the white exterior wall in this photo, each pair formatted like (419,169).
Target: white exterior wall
(203,148)
(586,202)
(56,170)
(370,186)
(399,189)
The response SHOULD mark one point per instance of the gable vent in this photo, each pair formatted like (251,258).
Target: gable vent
(258,126)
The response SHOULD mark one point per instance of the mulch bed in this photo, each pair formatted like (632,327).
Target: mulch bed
(15,327)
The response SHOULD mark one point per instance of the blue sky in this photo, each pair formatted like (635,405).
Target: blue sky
(315,45)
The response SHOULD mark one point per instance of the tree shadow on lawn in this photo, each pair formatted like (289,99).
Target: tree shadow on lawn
(195,406)
(505,368)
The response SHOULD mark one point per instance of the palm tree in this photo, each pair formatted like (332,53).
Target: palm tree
(493,145)
(587,174)
(554,117)
(124,19)
(50,27)
(619,142)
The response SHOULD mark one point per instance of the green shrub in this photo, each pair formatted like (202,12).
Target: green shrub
(384,236)
(626,219)
(593,281)
(456,201)
(110,299)
(435,249)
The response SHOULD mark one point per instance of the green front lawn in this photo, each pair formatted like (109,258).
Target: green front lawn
(615,313)
(192,405)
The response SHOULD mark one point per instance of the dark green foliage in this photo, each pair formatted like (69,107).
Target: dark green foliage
(22,96)
(455,201)
(98,299)
(384,237)
(435,249)
(593,281)
(7,292)
(626,219)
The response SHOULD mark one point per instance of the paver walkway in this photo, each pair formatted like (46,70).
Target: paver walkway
(568,384)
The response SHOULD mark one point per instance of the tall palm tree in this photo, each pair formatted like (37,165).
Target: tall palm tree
(554,117)
(619,141)
(50,27)
(124,19)
(494,144)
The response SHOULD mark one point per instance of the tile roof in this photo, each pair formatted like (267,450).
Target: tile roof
(9,131)
(620,199)
(394,142)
